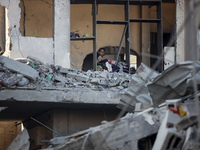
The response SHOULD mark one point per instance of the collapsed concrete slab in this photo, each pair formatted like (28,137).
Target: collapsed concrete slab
(123,134)
(20,68)
(175,82)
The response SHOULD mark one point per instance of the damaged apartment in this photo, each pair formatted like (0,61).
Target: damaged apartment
(99,74)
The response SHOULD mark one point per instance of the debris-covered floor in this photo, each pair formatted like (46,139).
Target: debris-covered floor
(162,110)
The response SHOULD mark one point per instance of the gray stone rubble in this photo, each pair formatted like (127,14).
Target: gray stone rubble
(33,73)
(154,128)
(172,122)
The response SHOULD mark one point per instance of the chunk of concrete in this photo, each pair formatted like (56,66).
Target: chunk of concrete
(64,70)
(136,92)
(38,61)
(20,68)
(9,79)
(23,82)
(173,82)
(168,137)
(60,78)
(81,77)
(21,142)
(146,73)
(71,75)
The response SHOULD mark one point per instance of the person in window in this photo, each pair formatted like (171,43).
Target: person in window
(101,63)
(101,53)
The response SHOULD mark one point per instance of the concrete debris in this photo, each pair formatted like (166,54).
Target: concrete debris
(162,106)
(33,73)
(168,137)
(36,60)
(175,82)
(136,92)
(21,142)
(124,136)
(146,73)
(160,128)
(20,68)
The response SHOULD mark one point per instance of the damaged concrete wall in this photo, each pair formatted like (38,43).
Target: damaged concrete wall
(50,50)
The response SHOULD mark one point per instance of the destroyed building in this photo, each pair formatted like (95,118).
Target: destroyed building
(50,86)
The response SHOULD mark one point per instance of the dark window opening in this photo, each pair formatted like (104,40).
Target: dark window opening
(111,54)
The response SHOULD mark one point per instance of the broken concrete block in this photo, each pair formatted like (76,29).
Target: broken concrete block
(173,82)
(64,70)
(43,69)
(71,75)
(38,61)
(23,82)
(20,68)
(81,77)
(146,73)
(94,81)
(103,74)
(103,81)
(20,142)
(168,137)
(9,79)
(59,78)
(136,92)
(186,122)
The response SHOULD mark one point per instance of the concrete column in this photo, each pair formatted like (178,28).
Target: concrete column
(179,45)
(62,32)
(2,29)
(190,32)
(145,36)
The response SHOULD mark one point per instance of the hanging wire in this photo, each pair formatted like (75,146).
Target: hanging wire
(170,43)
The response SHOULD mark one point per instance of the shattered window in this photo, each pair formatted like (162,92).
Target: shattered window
(36,18)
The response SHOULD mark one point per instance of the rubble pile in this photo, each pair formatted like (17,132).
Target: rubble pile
(33,73)
(162,109)
(171,126)
(172,122)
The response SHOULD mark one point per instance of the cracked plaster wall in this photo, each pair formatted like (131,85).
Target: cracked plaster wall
(50,50)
